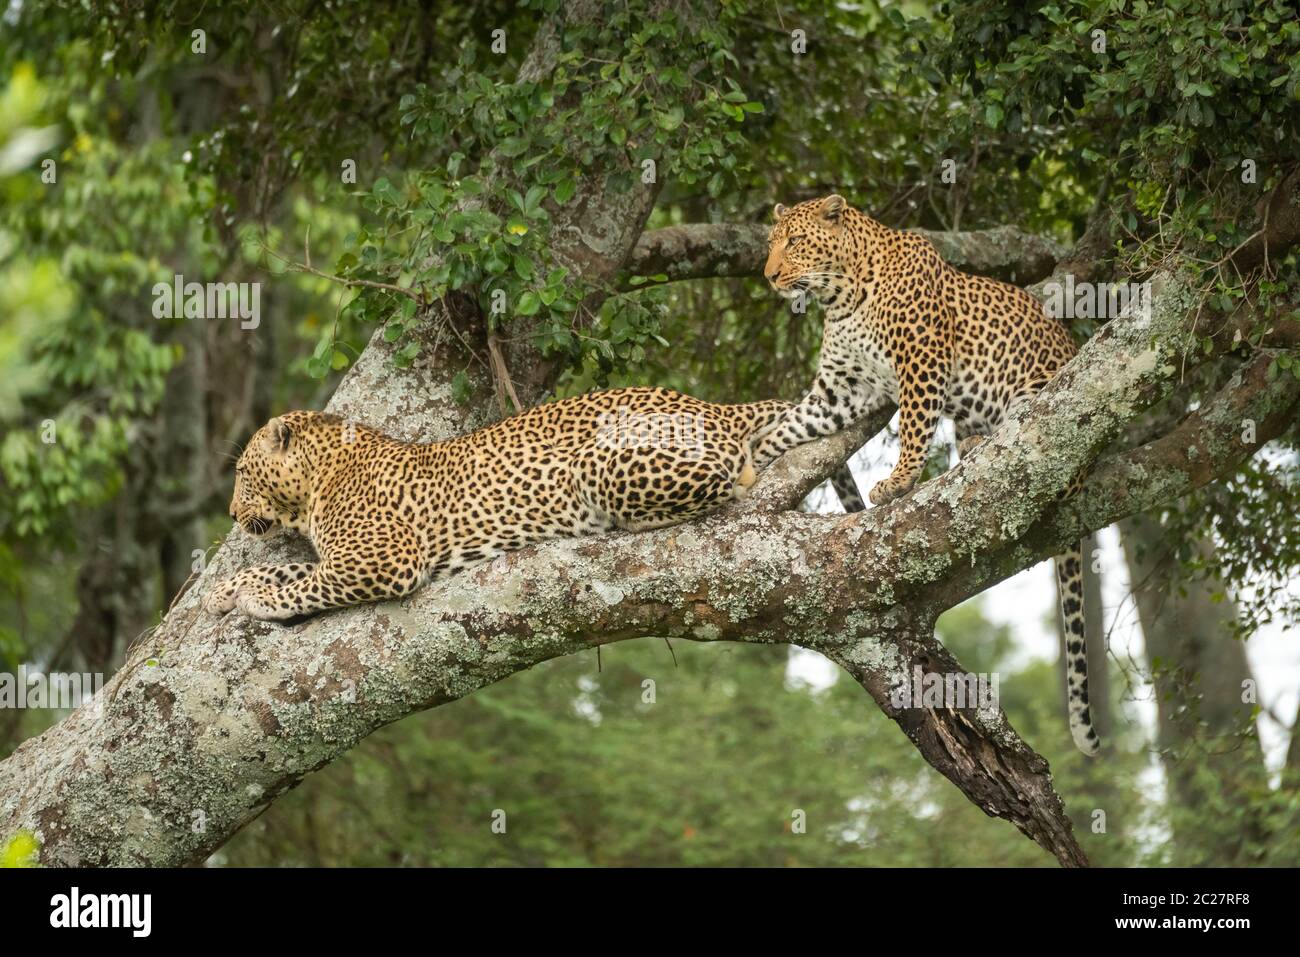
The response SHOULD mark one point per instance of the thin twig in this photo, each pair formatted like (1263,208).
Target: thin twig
(308,268)
(501,376)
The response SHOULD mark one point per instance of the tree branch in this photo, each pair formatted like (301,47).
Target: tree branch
(1280,226)
(704,250)
(1251,409)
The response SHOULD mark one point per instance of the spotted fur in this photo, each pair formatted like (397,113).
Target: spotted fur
(903,326)
(386,516)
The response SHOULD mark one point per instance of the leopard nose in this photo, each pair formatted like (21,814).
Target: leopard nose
(233,516)
(771,277)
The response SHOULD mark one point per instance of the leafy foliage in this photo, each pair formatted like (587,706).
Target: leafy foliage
(625,95)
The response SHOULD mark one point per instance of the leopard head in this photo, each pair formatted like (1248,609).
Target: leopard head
(806,250)
(273,477)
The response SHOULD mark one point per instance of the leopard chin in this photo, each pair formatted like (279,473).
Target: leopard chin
(258,527)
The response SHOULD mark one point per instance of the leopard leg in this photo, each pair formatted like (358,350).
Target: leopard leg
(920,403)
(825,410)
(691,489)
(328,586)
(316,592)
(846,488)
(654,485)
(758,419)
(343,578)
(761,419)
(810,419)
(221,598)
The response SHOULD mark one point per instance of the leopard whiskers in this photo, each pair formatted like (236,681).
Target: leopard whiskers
(824,279)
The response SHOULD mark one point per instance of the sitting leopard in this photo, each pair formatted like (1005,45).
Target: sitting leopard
(903,326)
(386,516)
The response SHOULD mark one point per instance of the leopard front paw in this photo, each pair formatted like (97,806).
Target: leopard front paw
(884,492)
(255,604)
(221,599)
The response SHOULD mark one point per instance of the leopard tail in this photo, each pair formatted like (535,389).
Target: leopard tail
(1069,576)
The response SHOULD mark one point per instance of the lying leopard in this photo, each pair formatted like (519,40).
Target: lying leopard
(903,326)
(386,516)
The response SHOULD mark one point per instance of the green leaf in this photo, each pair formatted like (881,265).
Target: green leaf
(461,388)
(513,146)
(670,120)
(385,192)
(529,303)
(406,355)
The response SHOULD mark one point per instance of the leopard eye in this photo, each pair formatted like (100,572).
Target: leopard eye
(791,240)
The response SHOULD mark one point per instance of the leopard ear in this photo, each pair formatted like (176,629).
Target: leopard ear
(278,434)
(833,208)
(779,211)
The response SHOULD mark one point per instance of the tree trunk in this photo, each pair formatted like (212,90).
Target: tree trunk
(1204,693)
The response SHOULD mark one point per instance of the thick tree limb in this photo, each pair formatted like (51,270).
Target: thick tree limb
(1251,410)
(1280,226)
(212,719)
(704,250)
